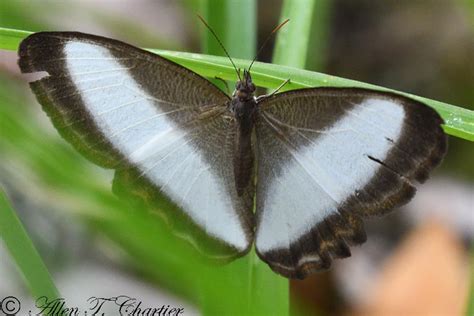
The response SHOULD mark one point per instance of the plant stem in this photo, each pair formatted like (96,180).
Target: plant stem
(291,46)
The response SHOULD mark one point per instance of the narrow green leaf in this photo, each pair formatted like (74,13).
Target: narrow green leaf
(459,122)
(291,46)
(24,253)
(10,39)
(318,42)
(241,28)
(234,22)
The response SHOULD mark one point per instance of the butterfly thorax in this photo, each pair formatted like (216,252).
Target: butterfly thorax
(243,103)
(244,106)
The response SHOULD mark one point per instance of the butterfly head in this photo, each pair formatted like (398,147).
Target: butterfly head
(244,88)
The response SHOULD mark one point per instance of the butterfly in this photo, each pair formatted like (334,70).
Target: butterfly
(312,163)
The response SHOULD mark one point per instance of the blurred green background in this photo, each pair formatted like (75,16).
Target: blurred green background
(94,244)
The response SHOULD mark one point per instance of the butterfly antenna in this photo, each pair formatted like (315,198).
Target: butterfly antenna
(268,38)
(220,43)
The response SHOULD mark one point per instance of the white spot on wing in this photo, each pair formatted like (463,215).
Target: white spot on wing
(328,171)
(135,125)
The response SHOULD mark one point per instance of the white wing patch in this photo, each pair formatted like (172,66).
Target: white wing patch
(327,172)
(132,121)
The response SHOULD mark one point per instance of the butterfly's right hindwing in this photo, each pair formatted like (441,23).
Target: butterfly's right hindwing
(329,157)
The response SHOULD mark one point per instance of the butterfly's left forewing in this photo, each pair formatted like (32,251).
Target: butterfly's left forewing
(329,157)
(161,126)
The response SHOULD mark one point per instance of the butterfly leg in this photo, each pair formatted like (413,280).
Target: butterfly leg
(225,83)
(261,97)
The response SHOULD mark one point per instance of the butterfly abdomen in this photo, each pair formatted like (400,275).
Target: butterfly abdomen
(244,156)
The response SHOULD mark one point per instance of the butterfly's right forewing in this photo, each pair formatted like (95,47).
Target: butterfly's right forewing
(161,126)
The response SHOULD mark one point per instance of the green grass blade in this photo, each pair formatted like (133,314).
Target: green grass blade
(10,39)
(241,28)
(318,42)
(459,122)
(234,22)
(24,253)
(291,46)
(213,12)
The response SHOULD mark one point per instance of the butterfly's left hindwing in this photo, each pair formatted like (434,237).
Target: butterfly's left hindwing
(161,126)
(329,157)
